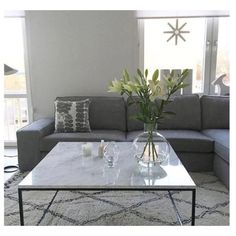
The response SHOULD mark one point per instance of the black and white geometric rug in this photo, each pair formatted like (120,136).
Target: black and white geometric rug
(119,208)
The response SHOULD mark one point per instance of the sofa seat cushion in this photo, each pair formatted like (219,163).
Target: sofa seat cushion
(48,142)
(221,138)
(183,140)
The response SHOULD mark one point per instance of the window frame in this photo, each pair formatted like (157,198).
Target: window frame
(27,94)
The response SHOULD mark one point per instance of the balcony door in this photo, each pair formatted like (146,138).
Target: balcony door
(16,84)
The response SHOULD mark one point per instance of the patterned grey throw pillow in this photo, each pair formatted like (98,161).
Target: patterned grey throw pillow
(72,116)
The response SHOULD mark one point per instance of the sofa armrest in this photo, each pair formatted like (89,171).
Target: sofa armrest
(28,142)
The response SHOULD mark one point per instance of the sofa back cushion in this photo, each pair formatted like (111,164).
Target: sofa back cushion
(215,112)
(104,112)
(187,114)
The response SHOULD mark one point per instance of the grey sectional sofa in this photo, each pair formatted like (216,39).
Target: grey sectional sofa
(199,132)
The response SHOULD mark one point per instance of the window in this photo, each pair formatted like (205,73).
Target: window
(15,83)
(179,43)
(222,63)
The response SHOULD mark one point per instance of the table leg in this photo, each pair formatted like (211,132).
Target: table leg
(193,205)
(21,207)
(175,208)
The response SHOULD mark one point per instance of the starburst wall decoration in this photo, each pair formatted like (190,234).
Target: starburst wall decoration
(176,31)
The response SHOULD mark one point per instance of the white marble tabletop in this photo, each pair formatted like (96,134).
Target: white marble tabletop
(65,167)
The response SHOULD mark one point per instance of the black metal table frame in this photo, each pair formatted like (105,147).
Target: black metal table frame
(193,190)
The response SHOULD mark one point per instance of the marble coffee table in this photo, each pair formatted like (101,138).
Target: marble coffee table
(73,171)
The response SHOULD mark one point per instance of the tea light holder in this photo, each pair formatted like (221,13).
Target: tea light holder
(87,149)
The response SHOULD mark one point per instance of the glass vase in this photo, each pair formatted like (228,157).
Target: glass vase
(151,148)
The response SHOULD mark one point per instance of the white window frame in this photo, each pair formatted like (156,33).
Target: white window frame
(27,95)
(210,55)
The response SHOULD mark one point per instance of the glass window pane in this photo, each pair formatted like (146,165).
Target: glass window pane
(15,84)
(14,81)
(222,66)
(166,47)
(16,116)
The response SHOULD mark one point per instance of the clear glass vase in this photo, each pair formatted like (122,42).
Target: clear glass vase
(151,148)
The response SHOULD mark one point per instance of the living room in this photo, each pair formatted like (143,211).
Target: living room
(90,58)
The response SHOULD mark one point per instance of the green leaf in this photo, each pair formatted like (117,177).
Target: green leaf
(146,73)
(185,73)
(137,80)
(184,85)
(155,75)
(169,82)
(126,75)
(141,117)
(130,102)
(172,74)
(140,73)
(128,87)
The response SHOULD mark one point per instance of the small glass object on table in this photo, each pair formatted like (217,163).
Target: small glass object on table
(111,154)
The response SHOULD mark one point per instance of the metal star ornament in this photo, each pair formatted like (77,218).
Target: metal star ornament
(176,32)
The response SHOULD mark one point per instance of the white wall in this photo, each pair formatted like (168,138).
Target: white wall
(77,53)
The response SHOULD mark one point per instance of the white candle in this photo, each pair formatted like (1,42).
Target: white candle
(87,149)
(101,149)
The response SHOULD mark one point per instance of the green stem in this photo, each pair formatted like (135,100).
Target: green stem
(144,149)
(150,141)
(155,151)
(150,145)
(149,148)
